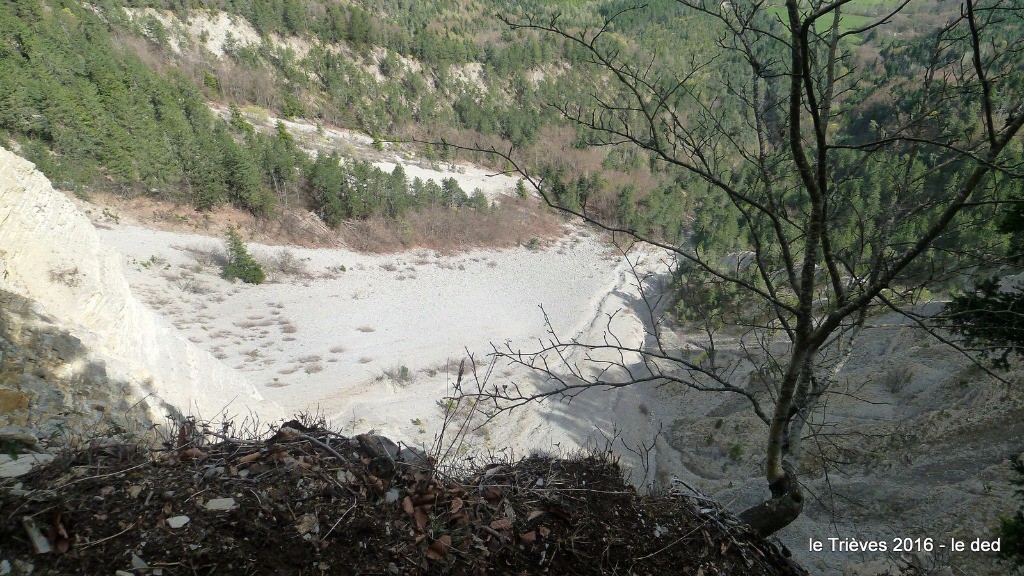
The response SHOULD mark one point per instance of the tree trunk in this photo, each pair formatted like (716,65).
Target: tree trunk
(776,513)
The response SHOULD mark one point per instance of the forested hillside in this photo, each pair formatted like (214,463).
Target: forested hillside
(115,96)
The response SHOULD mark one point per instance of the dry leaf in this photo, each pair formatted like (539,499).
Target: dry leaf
(407,505)
(528,537)
(420,517)
(440,547)
(501,524)
(420,538)
(376,483)
(192,454)
(249,458)
(456,505)
(559,512)
(533,514)
(422,499)
(493,544)
(544,531)
(59,535)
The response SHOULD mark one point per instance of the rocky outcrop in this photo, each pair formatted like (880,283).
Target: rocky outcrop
(47,382)
(72,336)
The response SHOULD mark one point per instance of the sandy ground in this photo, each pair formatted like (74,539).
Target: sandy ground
(334,333)
(470,178)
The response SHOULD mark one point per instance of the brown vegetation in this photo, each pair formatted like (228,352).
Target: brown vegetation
(511,222)
(310,501)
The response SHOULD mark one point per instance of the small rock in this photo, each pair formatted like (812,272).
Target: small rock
(221,504)
(138,563)
(134,491)
(391,495)
(345,476)
(213,471)
(40,544)
(14,467)
(177,521)
(307,524)
(11,401)
(5,567)
(18,435)
(413,456)
(123,573)
(393,568)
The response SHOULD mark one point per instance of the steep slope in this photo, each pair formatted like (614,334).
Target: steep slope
(51,255)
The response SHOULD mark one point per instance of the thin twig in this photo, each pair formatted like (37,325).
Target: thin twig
(126,470)
(95,542)
(350,508)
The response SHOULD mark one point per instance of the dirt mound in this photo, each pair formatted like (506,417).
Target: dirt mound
(309,501)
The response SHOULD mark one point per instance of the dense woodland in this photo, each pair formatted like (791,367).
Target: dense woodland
(99,100)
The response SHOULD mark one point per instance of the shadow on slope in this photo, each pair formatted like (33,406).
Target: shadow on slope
(49,383)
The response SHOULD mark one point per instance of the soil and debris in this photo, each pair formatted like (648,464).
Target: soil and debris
(309,501)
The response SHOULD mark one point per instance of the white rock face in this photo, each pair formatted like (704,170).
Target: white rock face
(50,253)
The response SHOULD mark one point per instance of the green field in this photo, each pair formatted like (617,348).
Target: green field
(855,15)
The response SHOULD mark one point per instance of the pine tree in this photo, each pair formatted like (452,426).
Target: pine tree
(1012,529)
(240,263)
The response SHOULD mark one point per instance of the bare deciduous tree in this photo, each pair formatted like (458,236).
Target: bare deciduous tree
(839,220)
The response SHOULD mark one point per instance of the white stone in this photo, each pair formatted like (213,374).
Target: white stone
(177,521)
(43,232)
(23,464)
(221,504)
(138,563)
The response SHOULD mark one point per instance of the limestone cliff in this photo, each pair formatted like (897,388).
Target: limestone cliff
(71,285)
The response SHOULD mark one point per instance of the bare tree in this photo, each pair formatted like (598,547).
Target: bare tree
(775,143)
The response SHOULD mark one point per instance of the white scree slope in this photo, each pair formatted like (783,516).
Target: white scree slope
(50,253)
